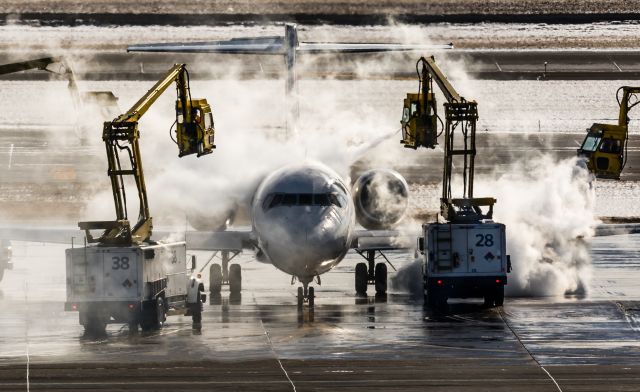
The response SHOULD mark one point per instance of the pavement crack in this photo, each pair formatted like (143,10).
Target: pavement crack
(266,333)
(500,312)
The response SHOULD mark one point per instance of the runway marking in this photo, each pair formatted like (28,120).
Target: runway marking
(614,63)
(325,382)
(273,349)
(500,312)
(26,330)
(633,323)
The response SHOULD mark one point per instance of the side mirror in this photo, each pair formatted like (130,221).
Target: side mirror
(193,262)
(508,263)
(421,244)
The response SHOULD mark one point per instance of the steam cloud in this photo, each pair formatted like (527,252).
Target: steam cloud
(548,209)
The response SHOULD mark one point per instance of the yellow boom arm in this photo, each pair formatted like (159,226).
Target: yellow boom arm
(194,136)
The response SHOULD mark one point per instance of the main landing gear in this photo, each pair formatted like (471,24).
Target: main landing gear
(371,273)
(225,274)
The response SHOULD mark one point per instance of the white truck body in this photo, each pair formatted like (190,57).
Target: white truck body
(465,259)
(116,282)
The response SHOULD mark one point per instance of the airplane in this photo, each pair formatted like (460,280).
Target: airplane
(304,221)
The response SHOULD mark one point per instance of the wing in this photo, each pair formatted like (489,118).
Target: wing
(262,45)
(383,240)
(55,235)
(211,240)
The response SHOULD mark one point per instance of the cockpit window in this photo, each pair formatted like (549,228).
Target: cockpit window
(276,200)
(321,199)
(305,199)
(333,198)
(289,199)
(302,199)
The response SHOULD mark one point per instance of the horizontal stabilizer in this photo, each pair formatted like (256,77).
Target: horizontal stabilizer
(262,45)
(322,47)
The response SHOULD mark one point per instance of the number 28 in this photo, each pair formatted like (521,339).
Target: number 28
(484,239)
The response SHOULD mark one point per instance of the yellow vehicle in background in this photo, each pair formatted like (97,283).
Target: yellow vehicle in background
(605,146)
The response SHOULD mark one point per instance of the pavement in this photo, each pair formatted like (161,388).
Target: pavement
(487,64)
(260,340)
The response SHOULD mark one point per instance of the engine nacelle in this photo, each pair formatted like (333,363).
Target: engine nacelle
(208,221)
(381,197)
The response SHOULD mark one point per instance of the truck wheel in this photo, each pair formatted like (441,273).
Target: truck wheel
(149,316)
(94,325)
(235,278)
(381,278)
(489,300)
(215,279)
(430,299)
(500,296)
(161,314)
(361,278)
(133,327)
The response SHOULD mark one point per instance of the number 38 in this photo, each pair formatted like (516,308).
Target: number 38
(120,263)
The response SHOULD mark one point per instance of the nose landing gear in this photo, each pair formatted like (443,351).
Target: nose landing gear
(306,294)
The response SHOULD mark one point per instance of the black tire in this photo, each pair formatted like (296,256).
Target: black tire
(215,278)
(312,297)
(381,278)
(361,278)
(133,327)
(500,296)
(95,325)
(300,297)
(431,298)
(489,300)
(161,313)
(235,278)
(149,316)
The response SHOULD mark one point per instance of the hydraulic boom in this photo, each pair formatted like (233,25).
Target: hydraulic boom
(419,125)
(194,135)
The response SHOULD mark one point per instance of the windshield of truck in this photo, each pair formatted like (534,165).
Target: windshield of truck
(590,143)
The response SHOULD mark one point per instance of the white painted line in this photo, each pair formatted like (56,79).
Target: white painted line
(276,356)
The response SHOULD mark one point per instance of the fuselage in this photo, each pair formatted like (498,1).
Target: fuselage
(303,218)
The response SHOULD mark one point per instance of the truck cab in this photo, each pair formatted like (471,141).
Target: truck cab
(603,148)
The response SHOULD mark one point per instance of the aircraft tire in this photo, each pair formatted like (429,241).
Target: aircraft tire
(312,297)
(300,298)
(215,278)
(235,278)
(381,278)
(361,278)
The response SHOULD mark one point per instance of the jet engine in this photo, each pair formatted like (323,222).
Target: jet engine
(381,197)
(216,221)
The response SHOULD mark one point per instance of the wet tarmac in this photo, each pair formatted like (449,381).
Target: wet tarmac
(260,340)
